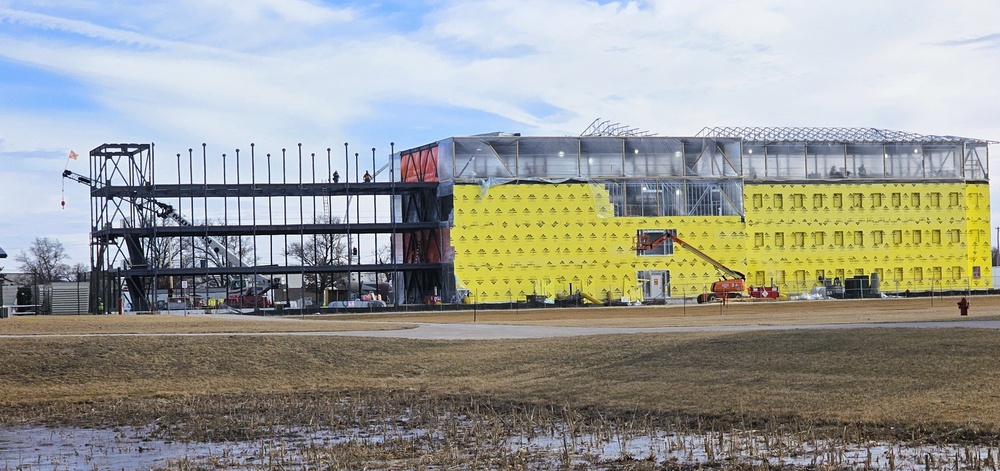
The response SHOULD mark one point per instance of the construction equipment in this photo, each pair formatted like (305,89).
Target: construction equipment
(833,288)
(591,298)
(575,299)
(242,295)
(239,293)
(730,287)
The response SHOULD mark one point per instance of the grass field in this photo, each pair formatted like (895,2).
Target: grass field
(173,324)
(926,385)
(735,313)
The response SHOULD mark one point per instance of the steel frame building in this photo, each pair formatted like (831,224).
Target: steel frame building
(260,203)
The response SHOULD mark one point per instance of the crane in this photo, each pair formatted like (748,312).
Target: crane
(733,286)
(238,293)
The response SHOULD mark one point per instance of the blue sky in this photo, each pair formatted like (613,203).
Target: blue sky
(75,74)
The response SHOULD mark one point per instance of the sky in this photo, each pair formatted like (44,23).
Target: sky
(75,74)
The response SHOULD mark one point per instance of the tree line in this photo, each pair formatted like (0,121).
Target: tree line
(46,261)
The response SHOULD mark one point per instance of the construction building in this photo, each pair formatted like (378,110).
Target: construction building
(261,230)
(791,208)
(614,215)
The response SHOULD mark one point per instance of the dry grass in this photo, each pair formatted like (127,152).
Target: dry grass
(920,379)
(692,315)
(166,324)
(735,313)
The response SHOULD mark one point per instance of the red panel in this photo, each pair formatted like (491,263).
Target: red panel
(433,248)
(422,247)
(420,165)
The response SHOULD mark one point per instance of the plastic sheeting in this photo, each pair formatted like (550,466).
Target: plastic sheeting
(846,160)
(503,158)
(585,158)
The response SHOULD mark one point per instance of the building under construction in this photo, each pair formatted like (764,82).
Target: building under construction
(789,209)
(503,218)
(251,228)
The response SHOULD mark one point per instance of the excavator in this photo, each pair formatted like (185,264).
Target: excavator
(733,286)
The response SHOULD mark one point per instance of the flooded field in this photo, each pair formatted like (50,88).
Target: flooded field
(448,435)
(68,448)
(41,448)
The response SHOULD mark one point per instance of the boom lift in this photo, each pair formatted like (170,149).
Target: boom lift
(733,286)
(239,294)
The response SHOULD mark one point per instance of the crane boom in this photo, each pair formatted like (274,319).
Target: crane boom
(262,284)
(731,286)
(167,211)
(80,178)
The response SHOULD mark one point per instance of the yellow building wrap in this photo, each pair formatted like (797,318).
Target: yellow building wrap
(512,241)
(914,236)
(516,240)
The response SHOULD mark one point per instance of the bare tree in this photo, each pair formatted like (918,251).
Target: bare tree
(321,250)
(45,260)
(189,252)
(383,255)
(238,247)
(224,251)
(80,272)
(165,252)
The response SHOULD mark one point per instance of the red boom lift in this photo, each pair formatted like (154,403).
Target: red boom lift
(733,286)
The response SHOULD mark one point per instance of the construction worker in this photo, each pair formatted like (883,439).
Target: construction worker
(367,177)
(336,177)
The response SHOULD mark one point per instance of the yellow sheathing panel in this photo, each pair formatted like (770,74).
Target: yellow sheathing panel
(916,236)
(977,199)
(511,241)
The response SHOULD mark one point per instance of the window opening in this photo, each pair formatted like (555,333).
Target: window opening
(654,242)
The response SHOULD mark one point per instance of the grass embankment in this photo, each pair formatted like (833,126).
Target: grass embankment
(910,380)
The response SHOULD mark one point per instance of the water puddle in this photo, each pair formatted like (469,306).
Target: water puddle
(66,448)
(758,450)
(36,448)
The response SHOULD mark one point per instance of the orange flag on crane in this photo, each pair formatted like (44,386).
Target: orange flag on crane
(72,155)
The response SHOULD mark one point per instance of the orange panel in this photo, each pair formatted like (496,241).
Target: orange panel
(420,165)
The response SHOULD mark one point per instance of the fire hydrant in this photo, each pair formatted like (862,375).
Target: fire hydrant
(963,306)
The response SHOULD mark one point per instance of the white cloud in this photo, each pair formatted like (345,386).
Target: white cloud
(754,61)
(661,64)
(278,72)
